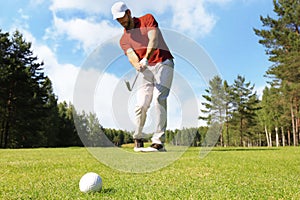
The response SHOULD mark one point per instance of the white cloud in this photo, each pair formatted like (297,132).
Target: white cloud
(190,18)
(220,2)
(62,76)
(259,91)
(87,32)
(22,15)
(103,104)
(89,6)
(36,2)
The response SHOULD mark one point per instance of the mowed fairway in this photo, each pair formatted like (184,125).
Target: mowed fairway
(225,173)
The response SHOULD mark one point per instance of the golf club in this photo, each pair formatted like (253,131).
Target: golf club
(128,84)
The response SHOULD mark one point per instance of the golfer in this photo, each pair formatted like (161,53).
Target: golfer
(143,44)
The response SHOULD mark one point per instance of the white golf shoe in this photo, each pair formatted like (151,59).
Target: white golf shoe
(152,148)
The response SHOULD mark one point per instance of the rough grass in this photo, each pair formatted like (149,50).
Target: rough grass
(225,173)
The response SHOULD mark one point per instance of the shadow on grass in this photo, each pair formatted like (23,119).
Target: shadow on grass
(108,190)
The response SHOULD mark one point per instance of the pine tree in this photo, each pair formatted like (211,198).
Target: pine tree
(215,105)
(282,40)
(245,104)
(5,74)
(23,98)
(67,134)
(228,108)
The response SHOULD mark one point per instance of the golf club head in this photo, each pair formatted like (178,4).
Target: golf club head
(128,85)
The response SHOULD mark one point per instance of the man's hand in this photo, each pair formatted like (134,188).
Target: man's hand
(144,62)
(134,59)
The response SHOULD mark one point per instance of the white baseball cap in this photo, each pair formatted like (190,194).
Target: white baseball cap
(118,10)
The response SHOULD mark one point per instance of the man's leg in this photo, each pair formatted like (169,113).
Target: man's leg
(144,98)
(163,81)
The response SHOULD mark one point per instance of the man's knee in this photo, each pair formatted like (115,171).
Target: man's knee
(140,109)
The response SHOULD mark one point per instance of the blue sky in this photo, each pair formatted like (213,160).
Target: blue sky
(65,32)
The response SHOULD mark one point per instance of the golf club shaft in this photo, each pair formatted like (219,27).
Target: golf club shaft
(135,80)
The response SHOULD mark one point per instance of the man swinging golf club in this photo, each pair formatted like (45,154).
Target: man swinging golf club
(143,44)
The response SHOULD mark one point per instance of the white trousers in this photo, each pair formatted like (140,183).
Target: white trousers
(156,83)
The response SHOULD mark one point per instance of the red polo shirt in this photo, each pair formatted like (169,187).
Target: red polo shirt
(137,39)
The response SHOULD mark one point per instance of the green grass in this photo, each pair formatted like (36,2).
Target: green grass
(225,173)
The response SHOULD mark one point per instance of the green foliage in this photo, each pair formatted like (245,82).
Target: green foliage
(67,133)
(233,106)
(215,101)
(118,137)
(217,105)
(245,103)
(24,94)
(186,136)
(281,38)
(93,134)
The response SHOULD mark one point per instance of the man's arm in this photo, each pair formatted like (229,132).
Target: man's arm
(152,45)
(153,42)
(133,59)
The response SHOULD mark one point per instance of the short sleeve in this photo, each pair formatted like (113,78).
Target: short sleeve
(151,23)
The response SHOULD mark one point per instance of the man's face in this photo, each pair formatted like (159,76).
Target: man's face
(125,21)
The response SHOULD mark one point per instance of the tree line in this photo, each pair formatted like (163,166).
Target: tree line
(282,100)
(275,119)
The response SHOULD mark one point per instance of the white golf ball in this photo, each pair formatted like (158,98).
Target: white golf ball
(90,182)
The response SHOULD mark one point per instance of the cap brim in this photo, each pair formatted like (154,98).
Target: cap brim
(119,15)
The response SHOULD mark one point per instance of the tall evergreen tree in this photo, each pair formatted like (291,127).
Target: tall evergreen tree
(5,74)
(51,125)
(67,134)
(245,104)
(215,105)
(25,94)
(228,109)
(282,40)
